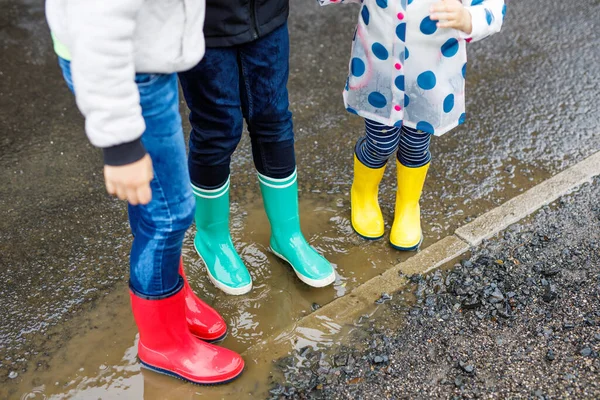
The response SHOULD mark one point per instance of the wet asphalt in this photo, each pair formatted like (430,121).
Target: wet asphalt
(532,111)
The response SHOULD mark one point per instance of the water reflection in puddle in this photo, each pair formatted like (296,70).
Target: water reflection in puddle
(101,362)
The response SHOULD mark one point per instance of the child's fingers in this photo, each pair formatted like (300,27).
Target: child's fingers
(444,6)
(448,24)
(438,7)
(442,16)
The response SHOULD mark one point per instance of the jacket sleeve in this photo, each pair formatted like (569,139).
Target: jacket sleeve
(103,74)
(487,17)
(327,2)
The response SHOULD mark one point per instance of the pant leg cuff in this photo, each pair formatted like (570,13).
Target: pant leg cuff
(358,151)
(162,296)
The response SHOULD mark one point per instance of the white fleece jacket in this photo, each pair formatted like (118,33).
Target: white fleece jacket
(109,41)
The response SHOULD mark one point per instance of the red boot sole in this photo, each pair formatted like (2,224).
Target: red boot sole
(180,377)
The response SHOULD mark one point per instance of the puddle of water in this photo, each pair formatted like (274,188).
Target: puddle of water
(279,298)
(100,361)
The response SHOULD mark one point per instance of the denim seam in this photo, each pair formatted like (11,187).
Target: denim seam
(264,163)
(162,250)
(247,85)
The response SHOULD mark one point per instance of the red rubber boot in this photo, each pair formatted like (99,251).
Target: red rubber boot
(204,321)
(167,346)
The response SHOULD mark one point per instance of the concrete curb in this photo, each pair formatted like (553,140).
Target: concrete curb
(498,219)
(345,310)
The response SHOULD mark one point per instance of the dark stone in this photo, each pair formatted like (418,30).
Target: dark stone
(315,306)
(471,303)
(568,325)
(468,368)
(496,296)
(550,355)
(530,281)
(303,352)
(277,390)
(340,360)
(458,382)
(322,371)
(586,351)
(551,270)
(550,294)
(384,297)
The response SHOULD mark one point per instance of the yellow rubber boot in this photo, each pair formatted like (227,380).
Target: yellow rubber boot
(367,219)
(406,231)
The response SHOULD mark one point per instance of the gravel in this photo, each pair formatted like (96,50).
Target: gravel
(519,318)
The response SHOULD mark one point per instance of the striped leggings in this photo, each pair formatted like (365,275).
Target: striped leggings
(381,142)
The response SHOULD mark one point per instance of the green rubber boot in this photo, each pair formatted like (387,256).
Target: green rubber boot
(213,242)
(287,242)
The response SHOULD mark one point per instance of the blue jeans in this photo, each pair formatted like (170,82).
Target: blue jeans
(159,227)
(230,84)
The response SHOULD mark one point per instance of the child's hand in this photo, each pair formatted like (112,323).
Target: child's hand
(451,14)
(130,182)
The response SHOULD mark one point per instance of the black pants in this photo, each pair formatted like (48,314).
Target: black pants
(230,84)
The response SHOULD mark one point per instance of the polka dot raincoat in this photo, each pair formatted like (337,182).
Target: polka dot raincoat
(405,70)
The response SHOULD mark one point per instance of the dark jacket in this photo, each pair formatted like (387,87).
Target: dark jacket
(232,22)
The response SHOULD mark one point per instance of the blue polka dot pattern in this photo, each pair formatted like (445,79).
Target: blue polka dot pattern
(426,80)
(410,1)
(401,31)
(448,103)
(489,17)
(366,16)
(464,71)
(347,84)
(398,124)
(462,118)
(351,110)
(357,67)
(379,51)
(399,82)
(450,48)
(425,127)
(377,100)
(428,26)
(503,10)
(476,2)
(406,53)
(406,100)
(382,3)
